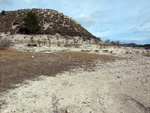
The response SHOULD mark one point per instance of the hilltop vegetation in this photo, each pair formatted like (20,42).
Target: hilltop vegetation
(51,22)
(31,24)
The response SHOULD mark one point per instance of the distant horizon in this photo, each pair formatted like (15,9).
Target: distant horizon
(125,21)
(126,42)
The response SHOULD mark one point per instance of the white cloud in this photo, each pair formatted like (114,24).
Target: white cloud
(137,40)
(87,21)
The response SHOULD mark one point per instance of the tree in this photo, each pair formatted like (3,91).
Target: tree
(31,23)
(107,41)
(117,43)
(113,43)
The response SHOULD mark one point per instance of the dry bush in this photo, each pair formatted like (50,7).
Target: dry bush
(4,43)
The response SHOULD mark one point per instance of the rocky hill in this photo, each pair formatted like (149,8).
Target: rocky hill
(51,22)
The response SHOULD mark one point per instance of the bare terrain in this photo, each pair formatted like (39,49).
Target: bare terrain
(18,66)
(87,79)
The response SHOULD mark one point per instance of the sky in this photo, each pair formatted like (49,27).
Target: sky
(127,21)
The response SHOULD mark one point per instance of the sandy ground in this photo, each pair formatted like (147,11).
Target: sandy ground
(121,86)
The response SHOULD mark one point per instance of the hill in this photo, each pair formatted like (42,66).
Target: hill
(51,22)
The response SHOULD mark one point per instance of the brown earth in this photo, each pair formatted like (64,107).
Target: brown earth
(15,67)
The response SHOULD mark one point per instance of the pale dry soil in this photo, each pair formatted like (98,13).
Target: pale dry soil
(111,85)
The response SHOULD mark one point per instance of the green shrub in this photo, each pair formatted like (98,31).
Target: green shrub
(39,42)
(100,45)
(57,36)
(96,41)
(113,43)
(49,40)
(107,41)
(44,42)
(75,41)
(32,40)
(66,43)
(58,43)
(31,24)
(84,38)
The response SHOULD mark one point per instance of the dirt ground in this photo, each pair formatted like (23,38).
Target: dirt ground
(74,82)
(15,67)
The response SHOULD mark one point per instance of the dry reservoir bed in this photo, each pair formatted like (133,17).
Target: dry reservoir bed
(81,83)
(15,67)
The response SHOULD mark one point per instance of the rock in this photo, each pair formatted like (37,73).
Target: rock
(118,76)
(136,52)
(97,51)
(111,52)
(32,44)
(105,51)
(85,50)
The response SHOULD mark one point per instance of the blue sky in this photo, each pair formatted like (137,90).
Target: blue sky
(119,20)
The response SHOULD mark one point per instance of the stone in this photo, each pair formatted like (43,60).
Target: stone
(32,44)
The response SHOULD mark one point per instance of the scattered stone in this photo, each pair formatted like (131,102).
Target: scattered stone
(85,50)
(118,76)
(97,51)
(136,52)
(104,51)
(111,52)
(32,45)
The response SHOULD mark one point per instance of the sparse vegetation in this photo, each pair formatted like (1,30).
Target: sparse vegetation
(57,36)
(39,42)
(32,40)
(112,43)
(4,43)
(96,41)
(58,43)
(49,40)
(75,41)
(44,42)
(146,46)
(100,45)
(118,43)
(60,23)
(66,43)
(107,41)
(84,38)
